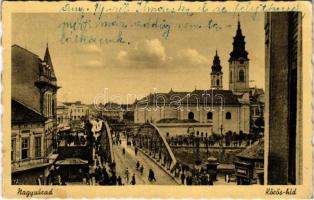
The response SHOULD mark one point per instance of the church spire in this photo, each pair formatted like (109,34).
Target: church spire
(216,67)
(216,73)
(47,60)
(239,63)
(238,45)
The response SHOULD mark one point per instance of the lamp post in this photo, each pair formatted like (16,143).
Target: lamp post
(206,140)
(221,129)
(197,142)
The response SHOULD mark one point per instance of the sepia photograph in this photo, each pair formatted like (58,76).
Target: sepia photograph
(106,97)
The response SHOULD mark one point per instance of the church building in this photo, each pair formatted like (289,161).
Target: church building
(213,110)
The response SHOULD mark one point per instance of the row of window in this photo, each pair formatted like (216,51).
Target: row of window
(25,148)
(63,119)
(78,110)
(209,115)
(77,117)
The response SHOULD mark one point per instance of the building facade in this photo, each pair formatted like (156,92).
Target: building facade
(77,110)
(63,116)
(27,145)
(283,34)
(218,110)
(34,122)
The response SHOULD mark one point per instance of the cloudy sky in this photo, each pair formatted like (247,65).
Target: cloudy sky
(177,53)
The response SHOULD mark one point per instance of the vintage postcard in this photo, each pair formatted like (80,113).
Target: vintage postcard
(157,99)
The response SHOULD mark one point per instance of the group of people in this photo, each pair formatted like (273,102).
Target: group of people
(100,171)
(227,139)
(130,177)
(127,177)
(197,179)
(116,138)
(139,167)
(193,176)
(55,177)
(105,176)
(72,139)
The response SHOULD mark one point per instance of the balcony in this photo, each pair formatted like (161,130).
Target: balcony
(45,81)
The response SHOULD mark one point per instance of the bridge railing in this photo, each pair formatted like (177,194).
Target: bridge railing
(108,132)
(152,142)
(106,142)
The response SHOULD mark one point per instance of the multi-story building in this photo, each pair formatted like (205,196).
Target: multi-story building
(115,111)
(283,53)
(63,117)
(34,123)
(76,110)
(257,106)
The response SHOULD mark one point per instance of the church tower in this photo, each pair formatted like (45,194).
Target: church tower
(239,64)
(216,73)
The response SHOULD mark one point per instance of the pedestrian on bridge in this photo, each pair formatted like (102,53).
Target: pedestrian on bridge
(119,180)
(113,166)
(133,180)
(142,169)
(182,178)
(151,175)
(127,173)
(113,179)
(135,150)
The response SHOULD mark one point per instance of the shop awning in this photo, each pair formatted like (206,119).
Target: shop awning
(72,161)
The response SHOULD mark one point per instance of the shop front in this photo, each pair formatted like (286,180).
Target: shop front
(72,169)
(244,172)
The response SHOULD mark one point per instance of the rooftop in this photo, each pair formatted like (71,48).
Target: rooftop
(255,151)
(20,113)
(201,97)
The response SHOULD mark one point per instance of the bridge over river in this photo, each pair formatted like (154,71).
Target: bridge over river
(129,159)
(155,153)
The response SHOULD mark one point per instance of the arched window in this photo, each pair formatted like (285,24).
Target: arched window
(241,75)
(230,77)
(228,115)
(209,115)
(191,115)
(217,82)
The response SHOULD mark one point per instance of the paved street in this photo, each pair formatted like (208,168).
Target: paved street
(129,160)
